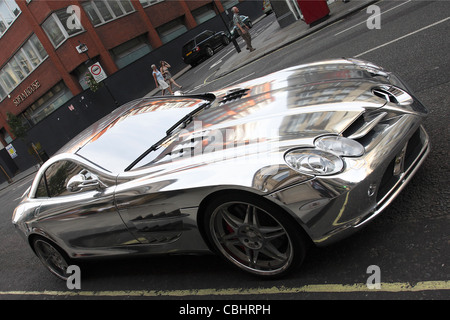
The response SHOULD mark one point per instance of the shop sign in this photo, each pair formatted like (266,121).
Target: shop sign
(27,92)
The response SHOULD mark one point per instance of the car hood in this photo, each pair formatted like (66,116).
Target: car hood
(287,108)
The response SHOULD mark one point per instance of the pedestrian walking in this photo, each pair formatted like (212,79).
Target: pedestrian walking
(166,74)
(159,80)
(242,29)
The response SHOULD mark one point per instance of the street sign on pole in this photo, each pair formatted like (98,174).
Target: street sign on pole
(97,72)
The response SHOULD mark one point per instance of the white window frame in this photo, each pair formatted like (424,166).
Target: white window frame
(110,10)
(148,3)
(61,27)
(6,87)
(12,22)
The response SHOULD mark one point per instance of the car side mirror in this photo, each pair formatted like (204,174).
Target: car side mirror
(79,183)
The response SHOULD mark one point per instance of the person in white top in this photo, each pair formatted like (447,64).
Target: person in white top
(159,80)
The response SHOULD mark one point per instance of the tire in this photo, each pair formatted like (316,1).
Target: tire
(209,52)
(254,235)
(52,257)
(250,24)
(225,41)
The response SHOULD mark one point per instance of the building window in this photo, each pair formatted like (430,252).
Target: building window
(9,11)
(26,59)
(130,51)
(59,29)
(204,13)
(227,4)
(146,3)
(171,30)
(103,11)
(49,102)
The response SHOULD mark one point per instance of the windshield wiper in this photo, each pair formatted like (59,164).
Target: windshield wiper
(185,120)
(188,118)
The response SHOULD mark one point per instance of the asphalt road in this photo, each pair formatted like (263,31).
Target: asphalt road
(409,243)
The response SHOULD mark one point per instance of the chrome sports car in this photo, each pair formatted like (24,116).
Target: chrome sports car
(253,172)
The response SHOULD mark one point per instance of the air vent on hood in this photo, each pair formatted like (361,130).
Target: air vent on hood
(363,125)
(233,95)
(393,94)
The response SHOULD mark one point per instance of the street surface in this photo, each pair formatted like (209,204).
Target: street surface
(410,242)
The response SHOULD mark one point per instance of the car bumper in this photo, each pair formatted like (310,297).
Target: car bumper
(332,208)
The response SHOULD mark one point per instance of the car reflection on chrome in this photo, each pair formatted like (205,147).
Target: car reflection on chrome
(254,172)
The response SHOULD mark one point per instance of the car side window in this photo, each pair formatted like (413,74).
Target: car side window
(41,191)
(202,37)
(54,181)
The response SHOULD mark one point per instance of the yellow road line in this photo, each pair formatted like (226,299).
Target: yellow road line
(314,288)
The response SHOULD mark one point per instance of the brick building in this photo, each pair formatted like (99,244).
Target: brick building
(40,66)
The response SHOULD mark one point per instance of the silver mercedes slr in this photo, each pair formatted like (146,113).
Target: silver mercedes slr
(254,173)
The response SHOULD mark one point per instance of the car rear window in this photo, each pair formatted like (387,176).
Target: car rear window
(188,46)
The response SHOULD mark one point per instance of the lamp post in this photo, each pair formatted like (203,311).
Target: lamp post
(226,26)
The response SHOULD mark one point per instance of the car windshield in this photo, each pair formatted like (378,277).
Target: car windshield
(132,133)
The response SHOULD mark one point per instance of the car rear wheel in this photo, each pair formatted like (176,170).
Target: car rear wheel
(225,41)
(209,52)
(255,235)
(52,257)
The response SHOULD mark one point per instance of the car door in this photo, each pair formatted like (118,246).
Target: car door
(156,217)
(217,38)
(82,218)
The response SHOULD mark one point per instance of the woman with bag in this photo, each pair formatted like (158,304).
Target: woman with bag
(166,74)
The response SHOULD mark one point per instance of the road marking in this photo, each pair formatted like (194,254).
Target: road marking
(240,79)
(365,21)
(402,37)
(313,288)
(215,64)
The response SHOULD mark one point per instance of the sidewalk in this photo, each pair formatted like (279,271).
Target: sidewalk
(19,176)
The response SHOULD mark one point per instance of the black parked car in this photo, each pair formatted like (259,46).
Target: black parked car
(203,46)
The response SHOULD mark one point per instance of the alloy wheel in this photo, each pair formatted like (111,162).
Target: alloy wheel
(251,238)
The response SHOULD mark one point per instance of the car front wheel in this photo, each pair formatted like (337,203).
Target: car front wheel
(255,235)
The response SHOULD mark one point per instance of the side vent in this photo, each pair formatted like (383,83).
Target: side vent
(393,94)
(233,95)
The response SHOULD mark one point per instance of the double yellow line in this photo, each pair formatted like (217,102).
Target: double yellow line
(313,288)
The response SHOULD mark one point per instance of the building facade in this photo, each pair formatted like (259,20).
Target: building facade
(46,44)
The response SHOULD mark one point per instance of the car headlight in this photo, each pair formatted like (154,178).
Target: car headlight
(313,161)
(325,159)
(340,146)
